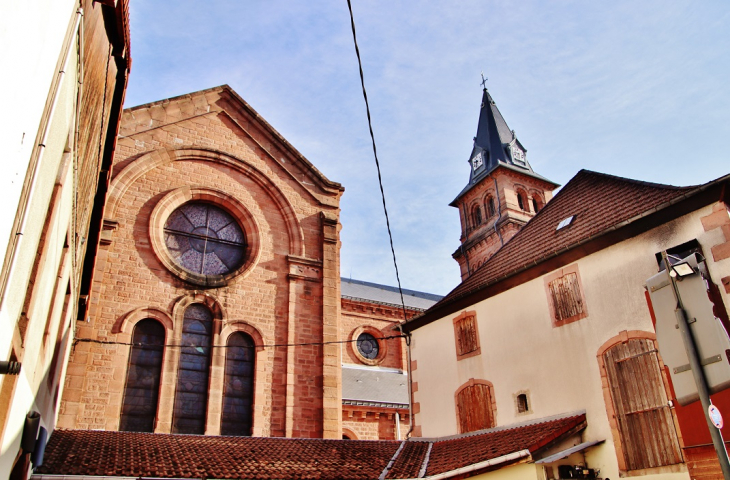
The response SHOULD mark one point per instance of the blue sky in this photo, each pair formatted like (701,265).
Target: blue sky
(636,89)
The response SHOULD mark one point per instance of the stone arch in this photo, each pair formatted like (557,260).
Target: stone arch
(126,323)
(628,452)
(349,433)
(240,326)
(163,156)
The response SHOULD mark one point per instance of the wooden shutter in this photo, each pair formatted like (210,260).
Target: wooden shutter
(566,297)
(474,407)
(644,419)
(466,335)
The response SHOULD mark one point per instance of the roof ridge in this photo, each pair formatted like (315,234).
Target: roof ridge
(224,86)
(630,180)
(511,426)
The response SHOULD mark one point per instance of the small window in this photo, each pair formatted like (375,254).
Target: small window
(535,206)
(368,346)
(522,406)
(477,216)
(466,335)
(521,201)
(565,222)
(565,296)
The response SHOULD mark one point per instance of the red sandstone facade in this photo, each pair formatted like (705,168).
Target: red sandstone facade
(502,187)
(212,148)
(370,422)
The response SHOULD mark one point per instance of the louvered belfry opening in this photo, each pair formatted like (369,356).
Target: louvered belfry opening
(191,395)
(644,418)
(141,391)
(474,408)
(239,386)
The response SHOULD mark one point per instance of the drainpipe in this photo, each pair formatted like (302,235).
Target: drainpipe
(478,466)
(499,213)
(18,237)
(410,381)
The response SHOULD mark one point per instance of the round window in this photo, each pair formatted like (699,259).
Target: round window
(368,346)
(205,239)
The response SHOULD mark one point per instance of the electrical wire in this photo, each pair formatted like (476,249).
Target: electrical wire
(375,153)
(273,345)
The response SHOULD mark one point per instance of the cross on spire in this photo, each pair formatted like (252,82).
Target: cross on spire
(484,81)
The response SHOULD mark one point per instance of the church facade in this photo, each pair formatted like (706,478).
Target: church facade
(215,306)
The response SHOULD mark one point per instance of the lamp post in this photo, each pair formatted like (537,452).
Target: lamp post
(674,272)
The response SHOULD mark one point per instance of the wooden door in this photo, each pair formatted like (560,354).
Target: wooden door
(640,402)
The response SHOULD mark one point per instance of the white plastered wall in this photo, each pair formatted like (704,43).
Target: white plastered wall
(32,35)
(521,351)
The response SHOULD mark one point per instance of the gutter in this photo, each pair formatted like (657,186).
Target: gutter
(481,465)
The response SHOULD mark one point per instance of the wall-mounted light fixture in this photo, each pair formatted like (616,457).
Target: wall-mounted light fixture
(9,368)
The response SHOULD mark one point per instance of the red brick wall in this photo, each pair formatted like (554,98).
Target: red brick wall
(702,463)
(213,141)
(480,242)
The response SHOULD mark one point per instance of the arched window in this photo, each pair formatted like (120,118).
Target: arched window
(477,216)
(521,200)
(535,207)
(238,389)
(139,407)
(475,406)
(490,207)
(639,399)
(191,395)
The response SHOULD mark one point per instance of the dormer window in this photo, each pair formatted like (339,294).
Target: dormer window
(565,222)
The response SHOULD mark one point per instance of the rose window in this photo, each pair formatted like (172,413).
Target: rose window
(205,239)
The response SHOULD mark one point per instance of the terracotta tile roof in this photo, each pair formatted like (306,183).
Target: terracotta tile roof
(108,453)
(600,203)
(462,451)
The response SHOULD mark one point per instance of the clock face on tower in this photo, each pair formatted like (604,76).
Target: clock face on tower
(476,161)
(518,155)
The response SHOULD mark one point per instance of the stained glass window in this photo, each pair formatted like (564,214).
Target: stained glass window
(204,239)
(368,346)
(238,389)
(139,406)
(191,395)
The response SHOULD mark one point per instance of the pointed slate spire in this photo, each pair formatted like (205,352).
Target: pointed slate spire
(495,143)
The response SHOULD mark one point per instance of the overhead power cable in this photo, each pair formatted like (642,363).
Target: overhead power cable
(177,345)
(375,154)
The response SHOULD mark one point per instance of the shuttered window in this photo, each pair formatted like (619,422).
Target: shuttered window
(141,390)
(566,297)
(238,388)
(474,408)
(644,419)
(191,395)
(466,334)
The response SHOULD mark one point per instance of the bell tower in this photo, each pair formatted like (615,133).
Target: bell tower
(503,192)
